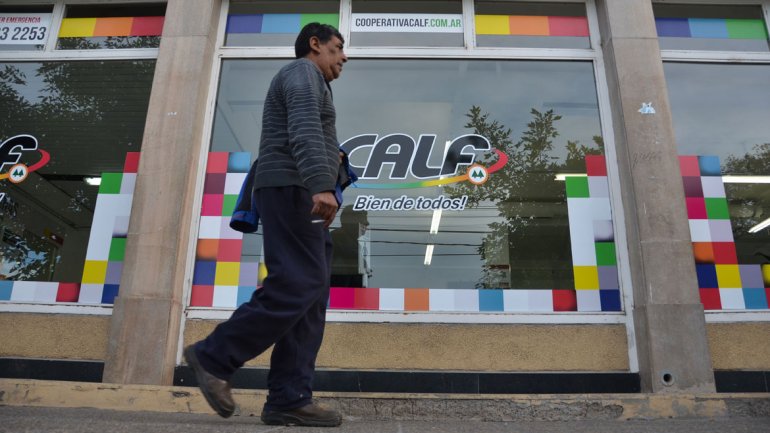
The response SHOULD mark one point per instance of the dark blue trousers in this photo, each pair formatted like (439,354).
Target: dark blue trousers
(290,309)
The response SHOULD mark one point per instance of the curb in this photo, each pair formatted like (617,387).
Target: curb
(379,406)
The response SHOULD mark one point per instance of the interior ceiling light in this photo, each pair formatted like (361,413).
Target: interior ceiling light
(561,177)
(428,254)
(94,181)
(763,225)
(729,178)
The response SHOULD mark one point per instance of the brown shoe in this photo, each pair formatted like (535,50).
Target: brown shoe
(216,390)
(311,415)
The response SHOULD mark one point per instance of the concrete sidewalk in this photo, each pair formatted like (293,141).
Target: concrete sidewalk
(50,420)
(33,405)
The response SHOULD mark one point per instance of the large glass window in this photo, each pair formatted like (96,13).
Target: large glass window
(422,214)
(720,114)
(71,133)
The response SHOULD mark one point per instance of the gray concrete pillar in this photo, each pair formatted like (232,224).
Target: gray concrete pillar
(668,316)
(146,318)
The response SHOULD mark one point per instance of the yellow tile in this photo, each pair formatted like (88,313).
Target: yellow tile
(729,276)
(77,27)
(766,274)
(262,274)
(227,273)
(94,272)
(492,25)
(586,277)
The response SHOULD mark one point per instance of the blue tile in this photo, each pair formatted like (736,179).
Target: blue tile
(673,27)
(709,166)
(6,287)
(244,294)
(707,276)
(109,293)
(755,299)
(244,23)
(713,28)
(204,273)
(491,300)
(281,23)
(239,162)
(610,300)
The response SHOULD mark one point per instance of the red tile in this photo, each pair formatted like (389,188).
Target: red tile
(710,299)
(564,300)
(689,166)
(724,253)
(217,162)
(202,296)
(568,26)
(132,162)
(596,165)
(367,298)
(68,292)
(147,26)
(230,250)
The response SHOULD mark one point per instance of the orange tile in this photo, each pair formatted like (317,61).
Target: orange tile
(703,252)
(416,300)
(529,25)
(207,249)
(113,26)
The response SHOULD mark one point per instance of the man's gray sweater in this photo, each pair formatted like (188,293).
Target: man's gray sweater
(299,139)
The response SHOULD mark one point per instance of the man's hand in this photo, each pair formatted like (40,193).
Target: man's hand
(324,207)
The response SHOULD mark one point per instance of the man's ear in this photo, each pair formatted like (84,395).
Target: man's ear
(315,44)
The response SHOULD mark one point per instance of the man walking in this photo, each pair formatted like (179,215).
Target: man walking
(296,174)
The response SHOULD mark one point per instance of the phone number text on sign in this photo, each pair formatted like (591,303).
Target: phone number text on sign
(24,29)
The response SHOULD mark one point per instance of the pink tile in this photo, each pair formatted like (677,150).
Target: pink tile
(342,298)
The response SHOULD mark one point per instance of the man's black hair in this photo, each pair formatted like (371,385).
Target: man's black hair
(324,33)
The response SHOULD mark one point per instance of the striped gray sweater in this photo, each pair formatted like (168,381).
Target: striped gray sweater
(299,139)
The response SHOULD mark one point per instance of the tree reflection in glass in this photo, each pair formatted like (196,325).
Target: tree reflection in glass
(522,191)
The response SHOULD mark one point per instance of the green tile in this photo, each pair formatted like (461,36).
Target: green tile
(331,19)
(746,29)
(605,254)
(110,183)
(117,249)
(716,208)
(577,186)
(228,204)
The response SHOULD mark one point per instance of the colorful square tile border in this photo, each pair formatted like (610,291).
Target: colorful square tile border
(724,284)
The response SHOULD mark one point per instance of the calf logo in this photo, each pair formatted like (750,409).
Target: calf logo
(396,157)
(10,154)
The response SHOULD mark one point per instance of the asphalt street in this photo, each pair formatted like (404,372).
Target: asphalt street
(48,420)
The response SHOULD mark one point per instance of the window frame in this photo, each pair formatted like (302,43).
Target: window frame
(717,57)
(720,56)
(51,53)
(468,51)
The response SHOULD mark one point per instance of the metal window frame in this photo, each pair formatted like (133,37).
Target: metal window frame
(50,53)
(716,57)
(468,51)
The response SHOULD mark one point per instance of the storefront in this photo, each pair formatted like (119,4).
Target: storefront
(513,206)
